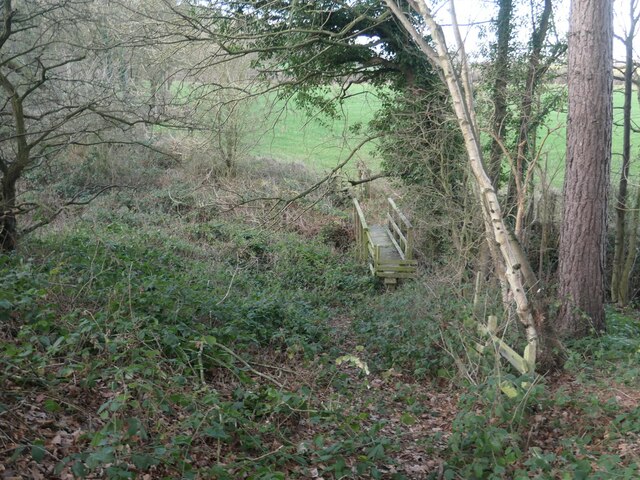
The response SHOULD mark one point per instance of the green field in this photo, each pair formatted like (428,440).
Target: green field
(322,143)
(294,136)
(555,147)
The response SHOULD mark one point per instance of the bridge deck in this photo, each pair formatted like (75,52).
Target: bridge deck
(380,237)
(386,248)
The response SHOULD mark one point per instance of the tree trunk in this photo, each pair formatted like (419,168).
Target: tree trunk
(617,282)
(8,224)
(632,242)
(458,81)
(528,126)
(582,238)
(499,93)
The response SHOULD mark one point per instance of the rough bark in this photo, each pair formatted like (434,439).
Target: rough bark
(11,171)
(617,281)
(632,243)
(582,238)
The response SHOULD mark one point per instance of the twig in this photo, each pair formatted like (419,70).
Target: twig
(365,180)
(246,364)
(268,454)
(230,285)
(285,203)
(274,367)
(72,202)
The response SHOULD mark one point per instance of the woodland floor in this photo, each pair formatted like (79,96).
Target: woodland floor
(419,447)
(167,340)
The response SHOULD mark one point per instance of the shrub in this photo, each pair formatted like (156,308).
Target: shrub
(415,328)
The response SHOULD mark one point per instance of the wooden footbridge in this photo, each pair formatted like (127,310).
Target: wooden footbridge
(388,248)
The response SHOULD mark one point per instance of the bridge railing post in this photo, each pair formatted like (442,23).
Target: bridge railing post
(361,231)
(401,230)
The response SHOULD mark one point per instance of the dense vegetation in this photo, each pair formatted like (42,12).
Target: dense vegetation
(179,290)
(146,337)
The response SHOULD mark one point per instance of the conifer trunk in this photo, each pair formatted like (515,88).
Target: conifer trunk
(583,231)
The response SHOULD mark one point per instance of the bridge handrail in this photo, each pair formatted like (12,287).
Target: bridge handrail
(360,214)
(400,215)
(363,238)
(398,232)
(401,230)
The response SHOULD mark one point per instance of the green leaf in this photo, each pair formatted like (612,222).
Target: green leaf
(65,372)
(508,389)
(100,457)
(143,461)
(408,419)
(16,453)
(376,452)
(52,406)
(449,474)
(78,469)
(215,431)
(37,451)
(134,427)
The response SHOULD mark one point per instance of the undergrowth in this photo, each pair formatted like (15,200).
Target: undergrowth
(580,423)
(156,337)
(160,343)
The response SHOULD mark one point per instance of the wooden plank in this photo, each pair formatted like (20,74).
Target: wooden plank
(397,247)
(381,239)
(379,234)
(404,219)
(390,283)
(384,247)
(399,263)
(394,274)
(396,268)
(396,229)
(368,235)
(397,234)
(506,351)
(392,264)
(409,251)
(360,213)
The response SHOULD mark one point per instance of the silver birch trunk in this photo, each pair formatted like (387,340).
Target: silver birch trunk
(458,81)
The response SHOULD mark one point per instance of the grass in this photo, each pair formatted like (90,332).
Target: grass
(555,147)
(320,143)
(160,334)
